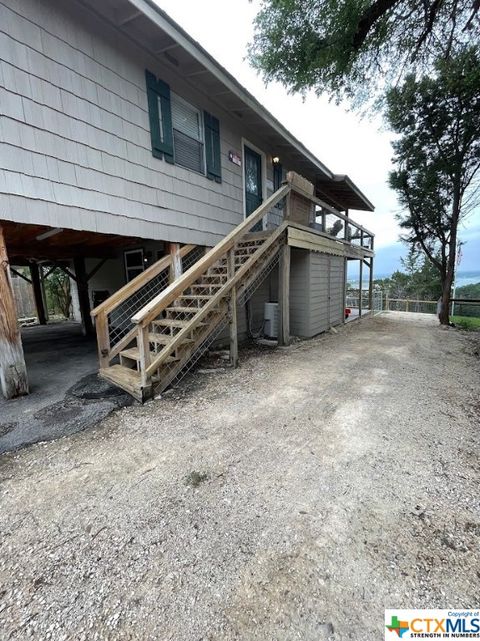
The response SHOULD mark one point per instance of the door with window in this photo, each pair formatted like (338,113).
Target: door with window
(253,184)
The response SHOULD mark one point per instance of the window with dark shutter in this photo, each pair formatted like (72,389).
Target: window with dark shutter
(160,117)
(187,135)
(212,147)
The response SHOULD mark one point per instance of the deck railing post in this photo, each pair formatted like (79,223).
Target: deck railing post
(144,351)
(232,309)
(103,339)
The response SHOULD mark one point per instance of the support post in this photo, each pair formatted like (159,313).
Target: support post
(83,299)
(284,295)
(13,372)
(176,262)
(370,286)
(360,290)
(38,293)
(232,310)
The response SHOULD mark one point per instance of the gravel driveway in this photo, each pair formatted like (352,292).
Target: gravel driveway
(293,498)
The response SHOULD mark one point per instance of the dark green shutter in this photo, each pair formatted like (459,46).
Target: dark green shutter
(160,120)
(212,147)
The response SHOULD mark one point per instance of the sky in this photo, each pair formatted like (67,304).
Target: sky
(341,139)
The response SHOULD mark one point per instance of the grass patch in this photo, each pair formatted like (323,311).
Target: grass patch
(466,322)
(194,479)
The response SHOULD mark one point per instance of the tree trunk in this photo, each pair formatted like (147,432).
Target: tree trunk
(444,316)
(13,372)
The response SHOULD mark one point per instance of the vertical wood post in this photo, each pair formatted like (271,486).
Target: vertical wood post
(38,293)
(370,285)
(176,262)
(284,295)
(360,289)
(13,372)
(232,310)
(103,339)
(83,299)
(144,351)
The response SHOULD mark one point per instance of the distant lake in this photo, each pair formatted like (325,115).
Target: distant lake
(463,278)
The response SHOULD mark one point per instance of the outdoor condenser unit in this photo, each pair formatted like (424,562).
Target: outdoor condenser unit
(270,317)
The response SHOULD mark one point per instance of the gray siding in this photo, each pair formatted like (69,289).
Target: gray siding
(299,292)
(74,134)
(316,292)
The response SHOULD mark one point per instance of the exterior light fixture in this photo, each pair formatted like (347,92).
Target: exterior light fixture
(275,160)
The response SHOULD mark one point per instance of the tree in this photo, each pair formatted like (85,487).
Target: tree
(437,158)
(57,290)
(351,48)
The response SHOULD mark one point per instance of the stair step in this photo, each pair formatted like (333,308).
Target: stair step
(165,339)
(134,354)
(124,377)
(182,310)
(198,297)
(172,322)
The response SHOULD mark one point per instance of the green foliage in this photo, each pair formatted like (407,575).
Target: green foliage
(57,292)
(419,281)
(468,323)
(437,158)
(354,47)
(472,292)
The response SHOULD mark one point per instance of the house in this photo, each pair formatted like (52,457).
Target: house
(176,202)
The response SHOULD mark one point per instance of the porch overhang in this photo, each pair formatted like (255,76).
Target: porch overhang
(27,243)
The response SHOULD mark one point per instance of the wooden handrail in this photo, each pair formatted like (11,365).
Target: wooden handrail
(137,283)
(214,300)
(168,295)
(332,210)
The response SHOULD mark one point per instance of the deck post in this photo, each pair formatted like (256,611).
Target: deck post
(360,290)
(176,262)
(370,286)
(284,295)
(83,299)
(232,303)
(38,293)
(13,371)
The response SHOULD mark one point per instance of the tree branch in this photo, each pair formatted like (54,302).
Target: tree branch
(369,17)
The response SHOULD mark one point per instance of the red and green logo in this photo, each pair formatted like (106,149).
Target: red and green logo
(400,627)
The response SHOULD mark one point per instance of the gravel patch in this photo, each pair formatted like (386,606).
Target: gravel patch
(310,488)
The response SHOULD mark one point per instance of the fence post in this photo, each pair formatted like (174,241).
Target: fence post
(103,339)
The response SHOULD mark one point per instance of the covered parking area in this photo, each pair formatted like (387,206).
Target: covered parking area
(44,358)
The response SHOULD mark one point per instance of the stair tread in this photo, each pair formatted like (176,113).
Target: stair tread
(165,339)
(134,354)
(171,322)
(195,296)
(183,310)
(123,376)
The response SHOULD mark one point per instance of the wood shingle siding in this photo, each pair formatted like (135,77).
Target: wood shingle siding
(75,136)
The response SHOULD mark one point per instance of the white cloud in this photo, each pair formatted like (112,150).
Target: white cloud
(342,140)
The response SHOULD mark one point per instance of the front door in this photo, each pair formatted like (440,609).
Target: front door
(253,184)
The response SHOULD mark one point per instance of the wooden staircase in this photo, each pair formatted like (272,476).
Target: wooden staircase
(160,338)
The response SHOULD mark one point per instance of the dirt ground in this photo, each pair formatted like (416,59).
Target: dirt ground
(293,498)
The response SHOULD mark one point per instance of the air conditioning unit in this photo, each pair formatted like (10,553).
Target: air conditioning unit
(270,317)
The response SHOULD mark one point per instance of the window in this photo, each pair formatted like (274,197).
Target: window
(187,135)
(181,133)
(134,263)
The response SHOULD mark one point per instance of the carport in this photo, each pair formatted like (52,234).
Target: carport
(63,348)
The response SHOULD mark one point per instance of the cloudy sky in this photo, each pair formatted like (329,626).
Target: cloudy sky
(342,140)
